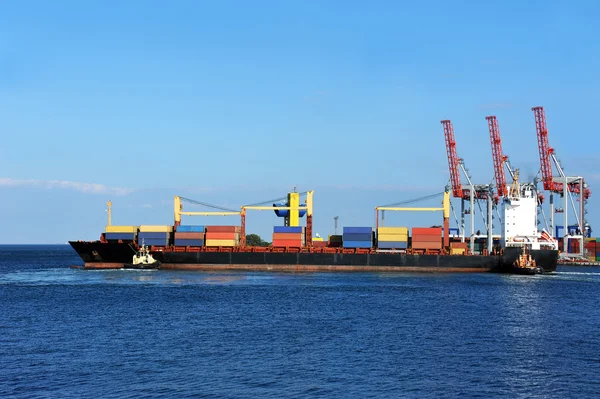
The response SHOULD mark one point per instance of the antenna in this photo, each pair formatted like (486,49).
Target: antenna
(335,219)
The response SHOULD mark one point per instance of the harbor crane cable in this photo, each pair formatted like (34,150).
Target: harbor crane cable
(273,200)
(208,205)
(410,201)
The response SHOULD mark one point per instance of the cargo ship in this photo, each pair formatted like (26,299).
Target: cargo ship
(521,249)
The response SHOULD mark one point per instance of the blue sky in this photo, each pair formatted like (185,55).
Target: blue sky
(236,102)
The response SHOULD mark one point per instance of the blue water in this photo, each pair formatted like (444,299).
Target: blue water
(70,333)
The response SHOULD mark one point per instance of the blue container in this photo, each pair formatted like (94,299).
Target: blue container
(357,236)
(190,229)
(357,244)
(154,242)
(153,235)
(559,231)
(392,244)
(357,230)
(189,242)
(288,229)
(119,236)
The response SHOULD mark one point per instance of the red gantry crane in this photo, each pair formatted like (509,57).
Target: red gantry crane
(562,184)
(471,192)
(499,159)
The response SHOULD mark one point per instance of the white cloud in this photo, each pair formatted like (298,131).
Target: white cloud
(90,188)
(146,206)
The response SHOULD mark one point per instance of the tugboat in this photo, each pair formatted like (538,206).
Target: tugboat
(525,264)
(143,260)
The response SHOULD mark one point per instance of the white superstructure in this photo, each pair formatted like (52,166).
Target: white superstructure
(520,222)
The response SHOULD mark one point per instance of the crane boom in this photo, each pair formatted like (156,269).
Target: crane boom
(457,191)
(498,157)
(545,151)
(546,155)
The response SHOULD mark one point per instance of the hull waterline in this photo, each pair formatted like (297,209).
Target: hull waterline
(98,255)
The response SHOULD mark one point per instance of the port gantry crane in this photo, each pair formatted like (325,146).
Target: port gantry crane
(470,193)
(525,195)
(500,161)
(562,184)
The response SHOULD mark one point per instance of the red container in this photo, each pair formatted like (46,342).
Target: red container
(427,238)
(221,236)
(426,245)
(591,246)
(189,235)
(287,243)
(426,231)
(287,236)
(574,246)
(319,244)
(222,229)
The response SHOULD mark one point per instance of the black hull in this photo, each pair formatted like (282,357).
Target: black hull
(103,255)
(98,252)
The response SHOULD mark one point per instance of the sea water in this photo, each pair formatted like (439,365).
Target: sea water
(69,333)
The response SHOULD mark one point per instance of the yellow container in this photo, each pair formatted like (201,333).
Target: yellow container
(221,243)
(121,229)
(156,229)
(392,237)
(457,251)
(392,230)
(317,239)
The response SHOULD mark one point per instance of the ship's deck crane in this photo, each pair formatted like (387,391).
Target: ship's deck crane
(562,184)
(293,208)
(445,209)
(471,192)
(294,211)
(178,210)
(109,212)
